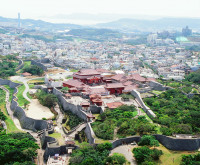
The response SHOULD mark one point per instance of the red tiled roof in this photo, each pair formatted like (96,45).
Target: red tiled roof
(85,103)
(115,85)
(128,83)
(87,72)
(137,77)
(96,90)
(68,95)
(95,96)
(130,88)
(118,77)
(70,142)
(26,74)
(74,83)
(97,100)
(150,79)
(102,70)
(114,105)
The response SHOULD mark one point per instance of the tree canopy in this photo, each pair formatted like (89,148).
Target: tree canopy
(17,147)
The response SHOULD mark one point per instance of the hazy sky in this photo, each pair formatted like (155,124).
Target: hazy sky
(43,8)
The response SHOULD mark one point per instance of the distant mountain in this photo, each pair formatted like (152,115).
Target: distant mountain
(38,24)
(150,25)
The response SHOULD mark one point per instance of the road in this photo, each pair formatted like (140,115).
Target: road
(126,150)
(24,81)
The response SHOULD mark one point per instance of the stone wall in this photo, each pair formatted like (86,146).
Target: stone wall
(158,86)
(20,66)
(39,64)
(75,109)
(95,109)
(90,133)
(177,144)
(127,140)
(138,98)
(25,122)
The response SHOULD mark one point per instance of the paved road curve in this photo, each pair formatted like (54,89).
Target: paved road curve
(126,150)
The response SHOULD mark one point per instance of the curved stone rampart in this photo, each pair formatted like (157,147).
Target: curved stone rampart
(25,122)
(138,98)
(20,66)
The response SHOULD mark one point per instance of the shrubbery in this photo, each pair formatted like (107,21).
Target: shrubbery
(17,147)
(121,119)
(72,120)
(116,158)
(191,159)
(87,155)
(176,112)
(48,100)
(7,67)
(33,69)
(144,155)
(148,140)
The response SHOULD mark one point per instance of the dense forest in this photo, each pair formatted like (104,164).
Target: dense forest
(33,69)
(121,119)
(175,112)
(46,99)
(88,155)
(17,148)
(193,77)
(8,65)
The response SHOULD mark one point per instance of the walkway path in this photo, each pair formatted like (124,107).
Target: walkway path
(126,150)
(24,81)
(72,135)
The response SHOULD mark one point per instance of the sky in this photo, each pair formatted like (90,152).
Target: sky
(51,9)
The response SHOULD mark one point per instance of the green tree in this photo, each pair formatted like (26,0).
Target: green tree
(116,158)
(148,140)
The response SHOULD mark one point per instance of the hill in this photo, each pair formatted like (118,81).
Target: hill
(149,25)
(37,24)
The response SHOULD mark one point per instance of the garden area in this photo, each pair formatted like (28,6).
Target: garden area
(150,151)
(32,69)
(21,100)
(121,122)
(17,148)
(176,113)
(8,65)
(99,155)
(72,121)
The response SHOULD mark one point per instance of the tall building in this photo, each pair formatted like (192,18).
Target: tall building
(186,31)
(19,21)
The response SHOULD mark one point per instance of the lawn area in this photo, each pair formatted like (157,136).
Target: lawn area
(31,86)
(59,137)
(11,91)
(171,157)
(9,122)
(74,70)
(156,92)
(38,80)
(21,100)
(26,63)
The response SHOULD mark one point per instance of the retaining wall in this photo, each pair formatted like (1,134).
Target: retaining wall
(89,133)
(158,86)
(177,144)
(33,62)
(138,98)
(75,109)
(127,140)
(20,66)
(25,122)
